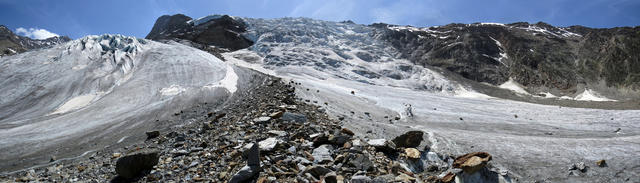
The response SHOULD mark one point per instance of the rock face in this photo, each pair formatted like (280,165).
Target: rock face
(136,163)
(220,31)
(538,56)
(10,43)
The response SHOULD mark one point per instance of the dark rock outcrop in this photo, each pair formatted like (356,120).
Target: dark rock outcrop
(539,56)
(220,32)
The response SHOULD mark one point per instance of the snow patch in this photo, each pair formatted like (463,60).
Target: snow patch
(464,93)
(205,19)
(514,86)
(230,81)
(75,103)
(172,90)
(590,95)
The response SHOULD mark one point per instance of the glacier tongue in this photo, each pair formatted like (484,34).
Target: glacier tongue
(98,89)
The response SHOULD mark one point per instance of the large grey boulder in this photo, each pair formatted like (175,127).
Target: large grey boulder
(137,163)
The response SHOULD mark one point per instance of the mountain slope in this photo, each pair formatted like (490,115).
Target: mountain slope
(11,43)
(547,61)
(543,58)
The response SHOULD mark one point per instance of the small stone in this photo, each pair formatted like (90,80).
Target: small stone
(601,163)
(412,153)
(268,144)
(116,155)
(404,178)
(581,166)
(361,162)
(450,177)
(262,119)
(322,154)
(317,171)
(278,133)
(294,117)
(152,134)
(276,115)
(360,179)
(347,131)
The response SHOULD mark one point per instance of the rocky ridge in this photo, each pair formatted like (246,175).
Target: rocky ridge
(271,137)
(11,44)
(543,58)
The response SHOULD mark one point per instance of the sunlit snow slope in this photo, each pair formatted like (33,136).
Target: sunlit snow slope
(97,91)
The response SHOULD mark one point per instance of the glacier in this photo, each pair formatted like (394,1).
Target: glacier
(97,91)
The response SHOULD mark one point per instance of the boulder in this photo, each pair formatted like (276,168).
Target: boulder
(409,139)
(136,163)
(152,134)
(472,162)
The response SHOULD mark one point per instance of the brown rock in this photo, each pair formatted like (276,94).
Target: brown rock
(601,163)
(276,115)
(347,131)
(472,162)
(450,177)
(412,153)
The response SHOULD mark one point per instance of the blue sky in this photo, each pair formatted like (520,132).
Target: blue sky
(77,18)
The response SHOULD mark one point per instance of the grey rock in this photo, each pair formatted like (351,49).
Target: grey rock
(268,144)
(361,179)
(317,171)
(360,162)
(322,154)
(409,139)
(294,117)
(152,134)
(262,119)
(136,163)
(249,171)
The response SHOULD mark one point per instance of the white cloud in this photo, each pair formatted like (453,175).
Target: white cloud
(35,33)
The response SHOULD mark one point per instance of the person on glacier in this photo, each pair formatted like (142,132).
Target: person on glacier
(408,110)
